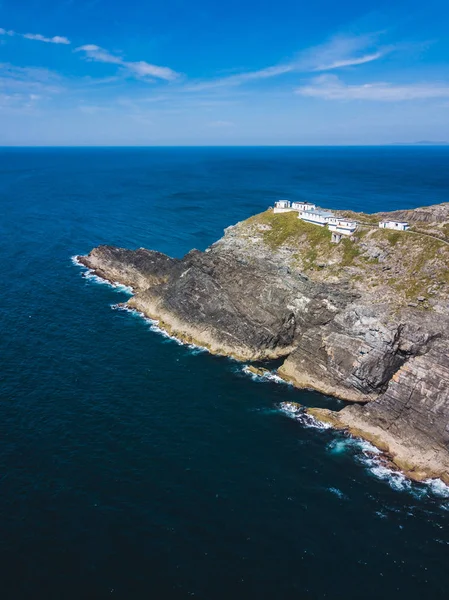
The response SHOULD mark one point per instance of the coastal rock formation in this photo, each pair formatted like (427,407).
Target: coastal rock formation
(366,320)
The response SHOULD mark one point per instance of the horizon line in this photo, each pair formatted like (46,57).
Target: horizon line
(111,146)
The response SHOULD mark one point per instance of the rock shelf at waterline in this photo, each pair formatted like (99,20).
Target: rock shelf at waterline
(366,320)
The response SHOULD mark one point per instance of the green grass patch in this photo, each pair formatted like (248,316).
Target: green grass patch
(286,227)
(394,236)
(350,252)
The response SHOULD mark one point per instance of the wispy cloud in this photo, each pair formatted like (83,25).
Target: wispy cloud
(138,69)
(342,51)
(56,39)
(330,87)
(338,52)
(234,80)
(25,88)
(350,62)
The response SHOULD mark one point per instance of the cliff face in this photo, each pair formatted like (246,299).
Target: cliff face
(365,320)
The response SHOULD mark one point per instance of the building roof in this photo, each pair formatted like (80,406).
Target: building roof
(343,220)
(320,212)
(393,221)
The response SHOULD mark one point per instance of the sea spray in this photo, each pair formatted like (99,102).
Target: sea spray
(368,455)
(156,328)
(297,412)
(365,453)
(265,376)
(92,276)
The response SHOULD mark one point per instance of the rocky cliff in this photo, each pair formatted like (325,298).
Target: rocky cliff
(365,320)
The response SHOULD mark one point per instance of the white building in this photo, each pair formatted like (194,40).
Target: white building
(317,216)
(282,206)
(397,225)
(303,206)
(340,225)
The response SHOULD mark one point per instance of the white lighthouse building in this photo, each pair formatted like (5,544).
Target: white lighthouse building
(282,206)
(341,225)
(396,225)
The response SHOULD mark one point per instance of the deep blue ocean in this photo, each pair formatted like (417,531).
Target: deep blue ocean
(134,467)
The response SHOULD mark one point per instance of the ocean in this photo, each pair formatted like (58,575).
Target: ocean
(135,467)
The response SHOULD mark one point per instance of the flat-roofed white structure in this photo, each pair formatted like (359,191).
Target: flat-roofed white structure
(397,225)
(316,216)
(303,206)
(341,225)
(282,206)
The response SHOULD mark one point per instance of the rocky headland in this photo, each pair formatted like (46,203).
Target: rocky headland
(365,320)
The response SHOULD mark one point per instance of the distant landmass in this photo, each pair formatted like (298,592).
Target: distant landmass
(422,143)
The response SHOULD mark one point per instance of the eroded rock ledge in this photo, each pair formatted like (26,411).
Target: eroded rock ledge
(274,288)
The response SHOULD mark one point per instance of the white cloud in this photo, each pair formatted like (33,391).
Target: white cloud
(330,87)
(57,39)
(337,53)
(234,80)
(96,53)
(342,51)
(29,81)
(349,62)
(139,68)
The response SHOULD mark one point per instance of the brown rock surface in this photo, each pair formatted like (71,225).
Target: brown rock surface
(347,317)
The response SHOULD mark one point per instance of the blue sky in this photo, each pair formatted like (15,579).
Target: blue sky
(241,72)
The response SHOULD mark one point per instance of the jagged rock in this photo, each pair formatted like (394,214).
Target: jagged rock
(345,330)
(260,371)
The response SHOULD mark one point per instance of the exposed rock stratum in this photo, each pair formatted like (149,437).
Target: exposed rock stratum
(365,320)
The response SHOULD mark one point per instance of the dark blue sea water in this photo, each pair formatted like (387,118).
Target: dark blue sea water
(133,467)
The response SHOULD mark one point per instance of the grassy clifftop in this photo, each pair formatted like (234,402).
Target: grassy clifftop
(401,267)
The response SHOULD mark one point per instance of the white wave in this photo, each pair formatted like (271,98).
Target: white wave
(372,458)
(290,408)
(338,493)
(438,487)
(397,480)
(156,328)
(89,274)
(76,261)
(266,376)
(313,423)
(337,446)
(294,411)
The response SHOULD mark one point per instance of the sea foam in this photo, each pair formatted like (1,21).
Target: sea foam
(370,457)
(298,413)
(266,376)
(366,453)
(156,328)
(91,276)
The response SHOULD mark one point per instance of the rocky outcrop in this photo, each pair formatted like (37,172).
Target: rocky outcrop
(356,355)
(249,309)
(135,268)
(274,288)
